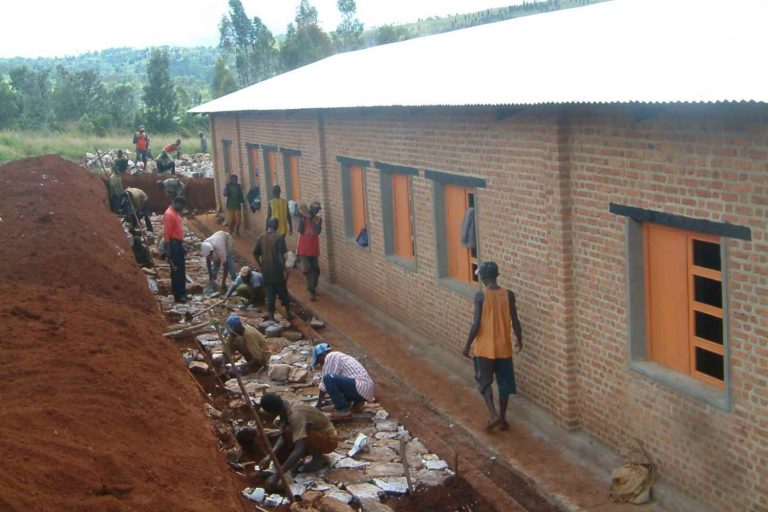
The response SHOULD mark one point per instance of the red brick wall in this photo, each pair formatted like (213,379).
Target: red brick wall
(544,218)
(699,162)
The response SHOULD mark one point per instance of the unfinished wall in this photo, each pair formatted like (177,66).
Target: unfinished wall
(705,163)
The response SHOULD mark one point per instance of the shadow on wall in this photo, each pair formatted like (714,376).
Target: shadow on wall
(200,193)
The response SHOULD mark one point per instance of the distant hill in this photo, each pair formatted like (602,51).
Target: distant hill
(127,64)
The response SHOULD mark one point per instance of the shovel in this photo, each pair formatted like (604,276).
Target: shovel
(189,316)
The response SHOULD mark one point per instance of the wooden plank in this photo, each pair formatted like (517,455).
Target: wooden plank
(458,255)
(401,208)
(357,193)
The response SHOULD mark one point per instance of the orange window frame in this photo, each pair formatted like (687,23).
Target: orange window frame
(670,300)
(402,216)
(460,259)
(293,169)
(271,160)
(357,198)
(253,161)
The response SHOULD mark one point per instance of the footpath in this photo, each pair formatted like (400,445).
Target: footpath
(535,465)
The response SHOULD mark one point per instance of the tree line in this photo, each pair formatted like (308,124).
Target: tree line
(103,91)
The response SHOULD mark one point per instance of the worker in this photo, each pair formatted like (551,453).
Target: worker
(173,187)
(269,253)
(134,204)
(492,338)
(344,379)
(165,162)
(141,140)
(115,185)
(278,208)
(217,250)
(203,142)
(250,343)
(308,247)
(173,234)
(120,165)
(248,284)
(304,431)
(235,201)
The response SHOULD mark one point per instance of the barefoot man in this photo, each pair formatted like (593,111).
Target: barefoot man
(492,337)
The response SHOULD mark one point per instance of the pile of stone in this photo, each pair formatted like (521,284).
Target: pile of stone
(376,457)
(198,165)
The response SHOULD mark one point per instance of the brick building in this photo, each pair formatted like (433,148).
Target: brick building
(618,173)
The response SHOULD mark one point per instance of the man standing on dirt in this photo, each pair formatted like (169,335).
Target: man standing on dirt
(134,204)
(235,201)
(250,343)
(270,254)
(278,208)
(248,284)
(141,139)
(173,234)
(217,249)
(173,187)
(344,379)
(492,337)
(305,431)
(308,248)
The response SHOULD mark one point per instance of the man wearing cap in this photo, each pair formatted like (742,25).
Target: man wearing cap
(305,431)
(248,284)
(217,250)
(250,343)
(344,379)
(308,247)
(173,234)
(492,350)
(270,254)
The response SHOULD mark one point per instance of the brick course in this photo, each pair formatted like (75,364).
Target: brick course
(544,218)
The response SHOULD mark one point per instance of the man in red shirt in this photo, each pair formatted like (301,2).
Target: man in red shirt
(308,250)
(173,234)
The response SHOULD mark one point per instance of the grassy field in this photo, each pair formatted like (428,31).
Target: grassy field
(73,146)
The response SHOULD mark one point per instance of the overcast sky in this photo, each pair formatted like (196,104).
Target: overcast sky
(45,28)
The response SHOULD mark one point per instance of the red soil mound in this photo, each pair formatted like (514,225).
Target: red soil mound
(97,411)
(200,193)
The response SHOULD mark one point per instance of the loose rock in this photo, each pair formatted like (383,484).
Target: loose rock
(365,491)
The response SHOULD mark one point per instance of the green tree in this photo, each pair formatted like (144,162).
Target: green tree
(10,104)
(305,42)
(34,86)
(249,43)
(223,81)
(77,94)
(349,33)
(122,105)
(392,34)
(159,96)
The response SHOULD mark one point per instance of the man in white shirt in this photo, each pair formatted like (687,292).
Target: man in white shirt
(217,249)
(344,379)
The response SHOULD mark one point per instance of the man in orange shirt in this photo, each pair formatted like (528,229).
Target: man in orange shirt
(173,234)
(141,139)
(492,337)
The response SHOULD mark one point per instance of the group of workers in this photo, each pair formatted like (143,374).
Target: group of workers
(306,431)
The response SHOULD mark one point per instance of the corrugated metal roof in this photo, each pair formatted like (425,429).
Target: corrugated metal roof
(614,52)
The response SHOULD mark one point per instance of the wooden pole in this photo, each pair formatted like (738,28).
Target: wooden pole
(260,427)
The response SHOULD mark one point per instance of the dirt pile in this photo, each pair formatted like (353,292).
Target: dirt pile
(200,193)
(97,410)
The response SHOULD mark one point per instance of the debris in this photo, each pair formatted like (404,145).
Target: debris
(436,464)
(380,469)
(374,506)
(392,485)
(275,500)
(199,368)
(349,463)
(331,504)
(386,426)
(211,411)
(360,445)
(279,372)
(256,494)
(316,323)
(365,491)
